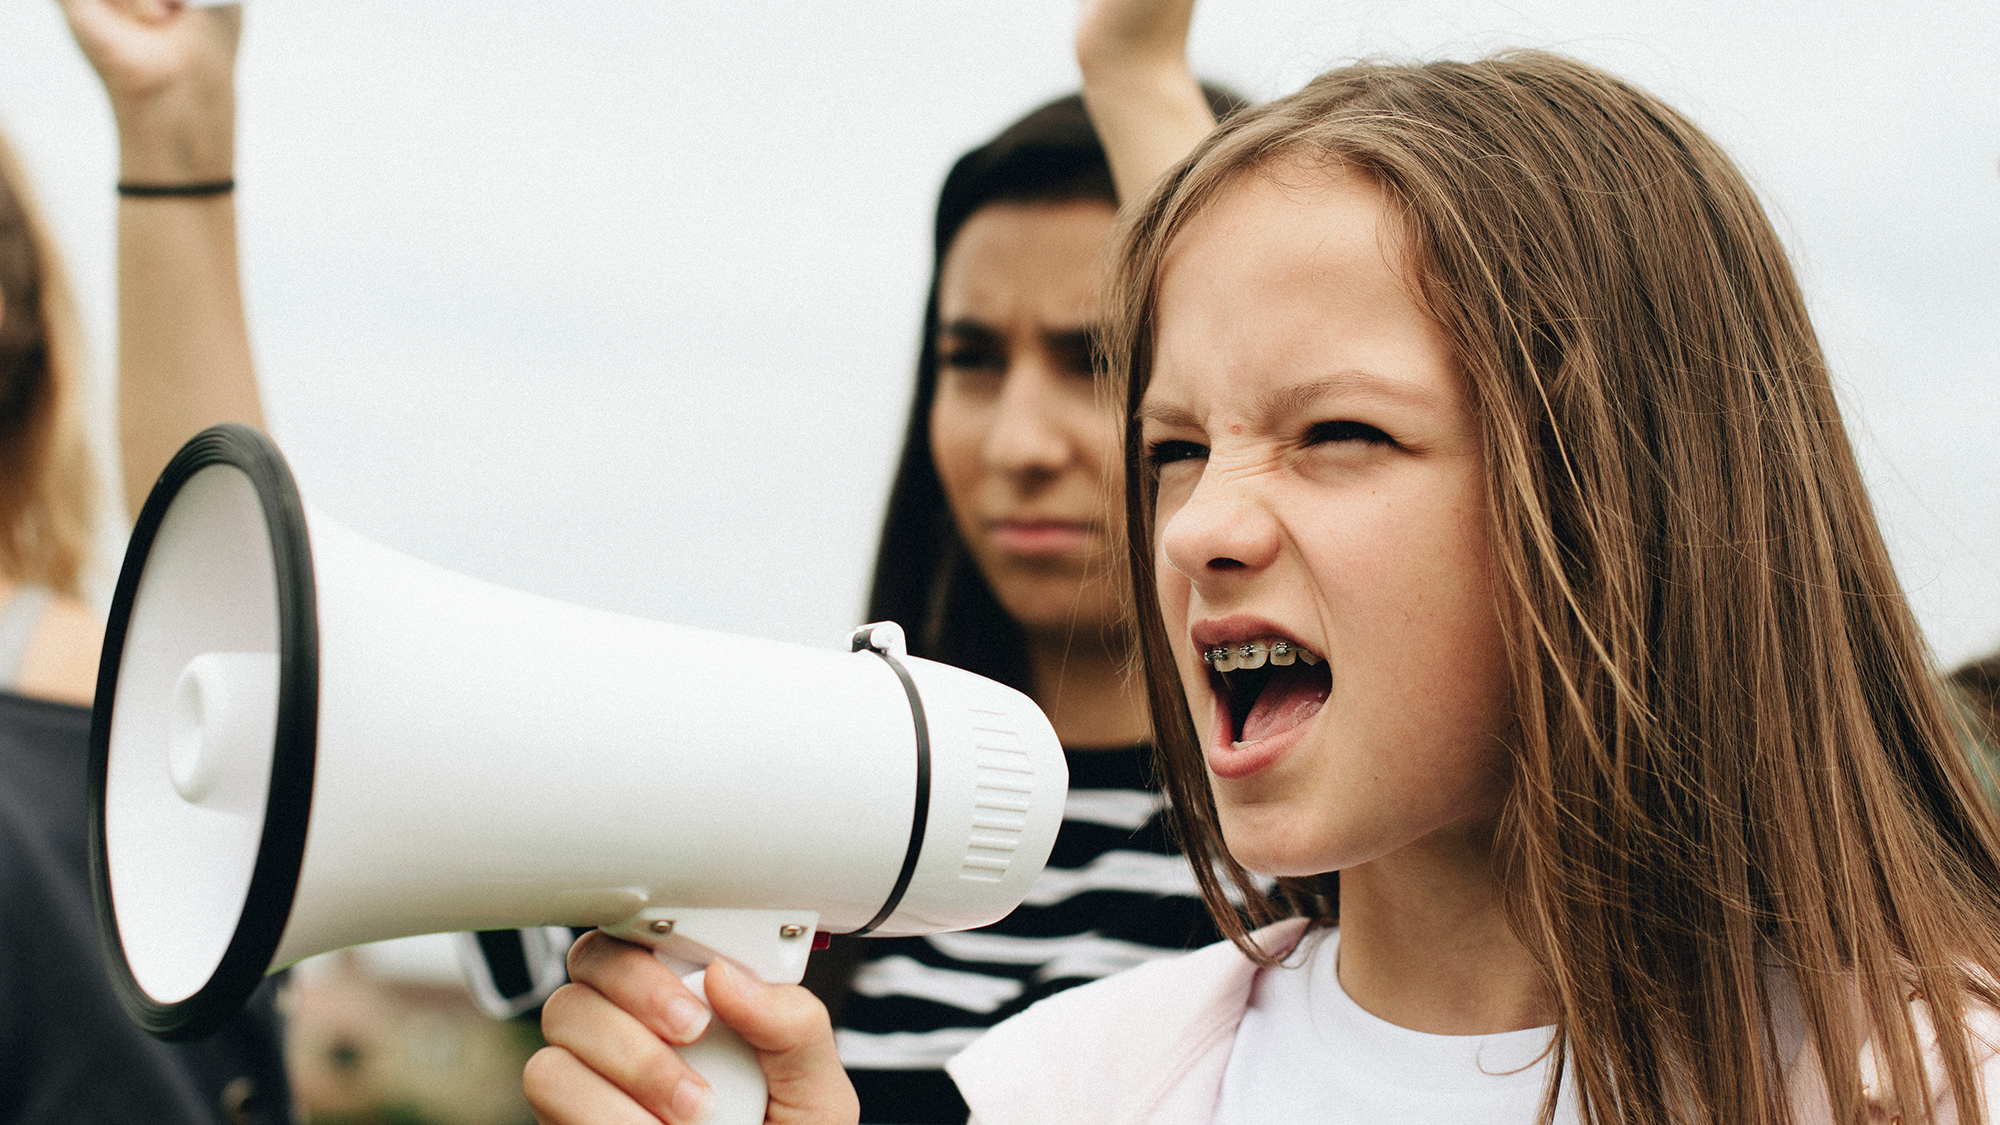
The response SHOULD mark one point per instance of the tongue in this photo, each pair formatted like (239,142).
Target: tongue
(1293,695)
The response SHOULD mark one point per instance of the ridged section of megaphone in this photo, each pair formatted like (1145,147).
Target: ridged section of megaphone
(998,785)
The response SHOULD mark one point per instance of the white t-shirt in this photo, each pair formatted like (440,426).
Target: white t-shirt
(1307,1052)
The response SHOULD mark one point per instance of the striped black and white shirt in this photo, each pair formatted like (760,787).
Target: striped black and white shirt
(1115,894)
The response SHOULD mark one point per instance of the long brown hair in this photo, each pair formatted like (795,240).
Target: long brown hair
(48,486)
(1732,766)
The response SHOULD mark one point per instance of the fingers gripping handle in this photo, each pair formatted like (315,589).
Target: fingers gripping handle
(771,944)
(729,1066)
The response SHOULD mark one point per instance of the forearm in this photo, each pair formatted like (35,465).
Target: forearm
(1147,122)
(1148,109)
(183,344)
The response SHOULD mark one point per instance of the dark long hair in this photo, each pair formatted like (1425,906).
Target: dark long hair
(925,579)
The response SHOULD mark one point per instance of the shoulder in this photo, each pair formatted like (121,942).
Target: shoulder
(1982,1043)
(1806,1080)
(61,660)
(1127,1040)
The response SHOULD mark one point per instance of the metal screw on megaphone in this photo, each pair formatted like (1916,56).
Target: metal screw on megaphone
(791,931)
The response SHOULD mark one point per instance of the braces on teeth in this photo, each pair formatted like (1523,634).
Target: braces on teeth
(1251,654)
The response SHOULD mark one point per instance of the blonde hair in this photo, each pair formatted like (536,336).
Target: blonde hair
(48,484)
(1731,761)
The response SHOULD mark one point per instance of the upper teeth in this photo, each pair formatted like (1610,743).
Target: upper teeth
(1253,654)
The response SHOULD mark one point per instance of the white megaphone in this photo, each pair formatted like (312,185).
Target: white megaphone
(305,741)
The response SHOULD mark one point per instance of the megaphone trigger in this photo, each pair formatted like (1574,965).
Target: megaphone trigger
(770,944)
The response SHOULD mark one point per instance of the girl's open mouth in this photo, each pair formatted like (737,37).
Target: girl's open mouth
(1270,685)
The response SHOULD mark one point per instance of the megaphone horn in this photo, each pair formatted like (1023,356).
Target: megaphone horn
(303,741)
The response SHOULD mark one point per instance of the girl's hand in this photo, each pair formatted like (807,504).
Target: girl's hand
(1147,106)
(169,70)
(611,1034)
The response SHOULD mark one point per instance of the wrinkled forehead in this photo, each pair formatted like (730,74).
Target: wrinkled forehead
(1284,242)
(1291,223)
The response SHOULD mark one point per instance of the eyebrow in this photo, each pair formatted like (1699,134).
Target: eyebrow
(1300,396)
(1080,336)
(1173,417)
(969,329)
(1351,383)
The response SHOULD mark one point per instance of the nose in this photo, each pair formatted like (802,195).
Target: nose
(1027,437)
(1221,530)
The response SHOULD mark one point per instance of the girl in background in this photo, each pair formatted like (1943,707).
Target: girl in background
(997,556)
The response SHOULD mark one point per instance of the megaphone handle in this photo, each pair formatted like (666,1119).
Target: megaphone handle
(727,1063)
(770,945)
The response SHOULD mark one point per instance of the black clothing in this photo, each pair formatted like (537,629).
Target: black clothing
(68,1051)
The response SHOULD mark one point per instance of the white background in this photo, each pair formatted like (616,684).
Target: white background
(618,300)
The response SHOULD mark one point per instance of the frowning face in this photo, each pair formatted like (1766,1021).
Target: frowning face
(1322,532)
(1024,446)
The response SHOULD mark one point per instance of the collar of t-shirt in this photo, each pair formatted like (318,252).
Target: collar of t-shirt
(1306,1051)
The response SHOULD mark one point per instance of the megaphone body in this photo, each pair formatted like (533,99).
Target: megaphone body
(304,741)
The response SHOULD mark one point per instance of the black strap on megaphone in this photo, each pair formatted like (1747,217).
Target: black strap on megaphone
(864,640)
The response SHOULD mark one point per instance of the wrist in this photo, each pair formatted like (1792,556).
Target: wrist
(177,137)
(1124,75)
(1129,65)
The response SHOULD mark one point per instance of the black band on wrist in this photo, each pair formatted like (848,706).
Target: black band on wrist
(165,191)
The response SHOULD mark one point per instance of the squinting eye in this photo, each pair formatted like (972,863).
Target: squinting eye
(1322,433)
(1163,453)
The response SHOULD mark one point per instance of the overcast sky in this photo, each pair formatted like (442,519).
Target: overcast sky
(618,301)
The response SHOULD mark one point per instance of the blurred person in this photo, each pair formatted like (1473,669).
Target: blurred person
(997,555)
(68,1050)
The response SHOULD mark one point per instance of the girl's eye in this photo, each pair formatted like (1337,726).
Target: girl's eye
(1075,355)
(1163,453)
(972,358)
(1325,433)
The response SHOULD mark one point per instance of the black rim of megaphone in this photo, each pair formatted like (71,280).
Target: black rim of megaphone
(275,876)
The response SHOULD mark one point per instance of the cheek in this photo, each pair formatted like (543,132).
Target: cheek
(1173,594)
(955,435)
(1424,656)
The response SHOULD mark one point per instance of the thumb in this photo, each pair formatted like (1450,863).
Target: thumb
(793,1037)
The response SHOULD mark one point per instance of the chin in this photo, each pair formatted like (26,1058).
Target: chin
(1268,843)
(1279,842)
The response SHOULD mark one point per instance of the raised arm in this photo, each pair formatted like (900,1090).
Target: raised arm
(1147,106)
(183,346)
